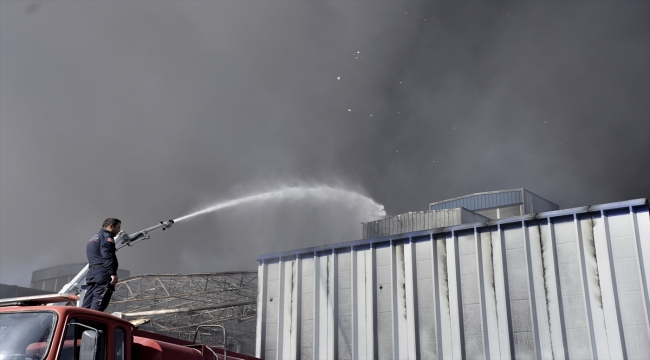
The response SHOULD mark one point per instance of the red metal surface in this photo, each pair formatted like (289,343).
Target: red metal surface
(146,345)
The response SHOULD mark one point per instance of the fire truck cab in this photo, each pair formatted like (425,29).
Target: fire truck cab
(31,329)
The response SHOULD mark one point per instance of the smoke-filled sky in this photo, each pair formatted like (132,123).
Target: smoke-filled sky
(149,110)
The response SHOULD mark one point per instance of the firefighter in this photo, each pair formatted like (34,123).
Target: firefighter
(102,266)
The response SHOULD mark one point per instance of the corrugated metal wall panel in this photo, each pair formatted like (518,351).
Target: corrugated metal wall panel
(522,327)
(537,204)
(426,310)
(307,308)
(471,306)
(57,271)
(344,304)
(469,217)
(10,291)
(384,299)
(571,284)
(485,200)
(627,290)
(271,319)
(418,221)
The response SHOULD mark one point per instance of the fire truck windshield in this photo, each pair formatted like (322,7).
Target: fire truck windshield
(26,335)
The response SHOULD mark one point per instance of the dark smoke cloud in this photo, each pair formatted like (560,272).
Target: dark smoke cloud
(146,110)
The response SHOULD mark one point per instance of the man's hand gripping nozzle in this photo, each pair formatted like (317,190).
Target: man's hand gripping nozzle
(123,239)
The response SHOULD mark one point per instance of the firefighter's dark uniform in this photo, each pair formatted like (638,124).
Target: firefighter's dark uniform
(102,264)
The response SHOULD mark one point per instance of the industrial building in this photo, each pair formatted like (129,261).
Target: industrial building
(466,209)
(52,279)
(519,279)
(11,291)
(499,204)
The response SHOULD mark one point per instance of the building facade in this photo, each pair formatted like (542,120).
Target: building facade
(468,209)
(11,291)
(52,279)
(562,284)
(499,204)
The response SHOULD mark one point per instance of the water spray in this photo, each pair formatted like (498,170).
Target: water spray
(322,192)
(294,193)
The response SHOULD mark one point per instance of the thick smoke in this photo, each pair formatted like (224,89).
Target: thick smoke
(141,110)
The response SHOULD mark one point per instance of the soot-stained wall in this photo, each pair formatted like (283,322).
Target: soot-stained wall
(566,284)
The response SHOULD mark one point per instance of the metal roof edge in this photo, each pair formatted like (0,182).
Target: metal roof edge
(620,204)
(479,193)
(313,249)
(353,243)
(192,274)
(562,212)
(514,219)
(592,208)
(464,226)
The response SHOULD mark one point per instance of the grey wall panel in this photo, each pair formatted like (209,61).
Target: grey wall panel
(532,203)
(577,333)
(400,304)
(418,221)
(10,291)
(510,211)
(273,291)
(536,204)
(569,284)
(384,302)
(490,213)
(554,299)
(426,311)
(441,289)
(468,217)
(307,308)
(481,201)
(472,322)
(522,328)
(57,271)
(628,285)
(642,234)
(538,288)
(344,304)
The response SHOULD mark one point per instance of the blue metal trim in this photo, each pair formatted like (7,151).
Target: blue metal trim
(539,216)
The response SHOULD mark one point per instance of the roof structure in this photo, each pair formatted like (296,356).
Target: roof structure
(176,304)
(530,202)
(473,208)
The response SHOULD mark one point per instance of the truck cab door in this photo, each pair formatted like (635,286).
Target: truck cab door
(84,340)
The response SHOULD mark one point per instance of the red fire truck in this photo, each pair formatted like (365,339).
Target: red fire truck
(30,329)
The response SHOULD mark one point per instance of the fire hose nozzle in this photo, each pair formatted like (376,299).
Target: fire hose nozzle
(167,224)
(128,240)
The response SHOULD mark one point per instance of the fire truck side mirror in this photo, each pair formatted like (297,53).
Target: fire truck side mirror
(88,345)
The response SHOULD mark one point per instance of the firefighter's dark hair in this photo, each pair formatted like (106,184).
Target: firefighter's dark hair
(111,222)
